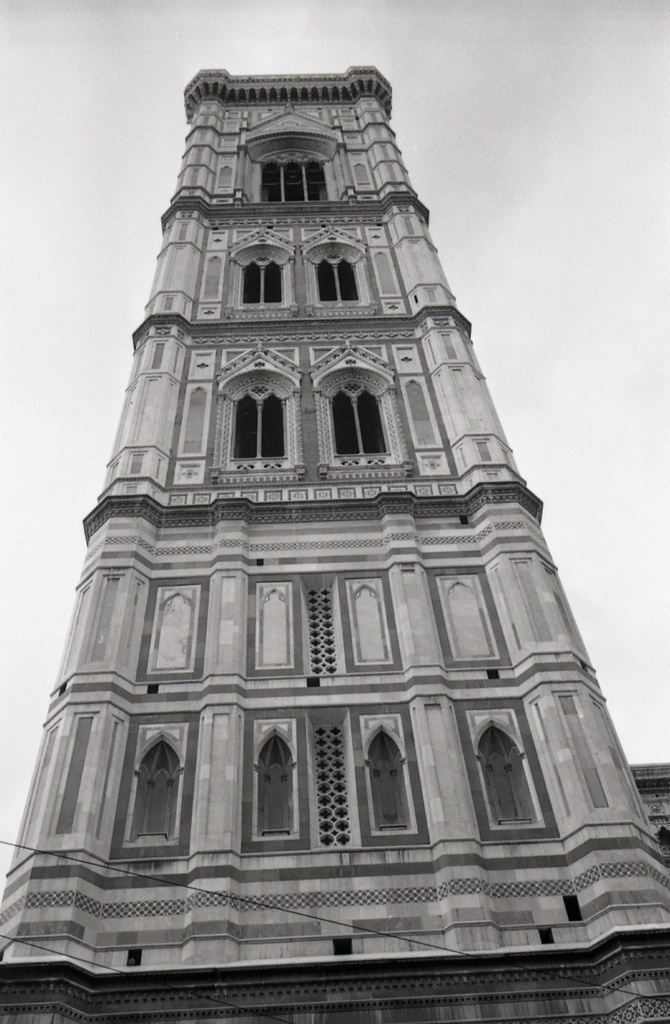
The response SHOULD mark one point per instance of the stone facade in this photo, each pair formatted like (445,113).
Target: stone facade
(326,740)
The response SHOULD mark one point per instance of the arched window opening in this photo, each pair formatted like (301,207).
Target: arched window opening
(387,783)
(505,778)
(259,427)
(337,281)
(157,793)
(262,283)
(357,423)
(275,788)
(293,182)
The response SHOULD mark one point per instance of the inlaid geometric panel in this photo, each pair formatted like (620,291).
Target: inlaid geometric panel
(331,787)
(335,897)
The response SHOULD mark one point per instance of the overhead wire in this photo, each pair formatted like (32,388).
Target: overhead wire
(259,904)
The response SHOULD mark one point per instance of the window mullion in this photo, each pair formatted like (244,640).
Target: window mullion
(281,183)
(304,182)
(336,275)
(259,427)
(261,290)
(359,436)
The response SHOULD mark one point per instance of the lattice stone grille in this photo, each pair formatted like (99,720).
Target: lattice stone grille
(323,657)
(331,787)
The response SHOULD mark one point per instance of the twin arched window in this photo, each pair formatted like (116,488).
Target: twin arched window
(259,426)
(337,281)
(157,793)
(357,422)
(293,182)
(262,282)
(504,776)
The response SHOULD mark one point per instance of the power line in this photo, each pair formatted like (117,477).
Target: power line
(164,984)
(257,904)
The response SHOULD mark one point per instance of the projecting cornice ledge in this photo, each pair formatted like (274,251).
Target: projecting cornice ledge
(383,504)
(244,90)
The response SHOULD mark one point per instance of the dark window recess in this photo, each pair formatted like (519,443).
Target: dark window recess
(389,800)
(342,947)
(572,908)
(275,788)
(546,936)
(61,689)
(157,793)
(505,778)
(358,425)
(492,673)
(152,688)
(259,428)
(464,520)
(337,281)
(313,681)
(260,561)
(293,182)
(134,958)
(262,283)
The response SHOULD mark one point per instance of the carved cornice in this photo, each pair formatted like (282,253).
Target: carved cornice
(249,90)
(383,504)
(357,329)
(369,211)
(563,983)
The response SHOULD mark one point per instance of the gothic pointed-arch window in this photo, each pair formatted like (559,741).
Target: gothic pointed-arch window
(262,282)
(293,182)
(157,793)
(357,422)
(259,426)
(337,281)
(275,788)
(505,779)
(387,784)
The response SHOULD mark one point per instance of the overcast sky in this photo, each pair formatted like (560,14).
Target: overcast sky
(537,134)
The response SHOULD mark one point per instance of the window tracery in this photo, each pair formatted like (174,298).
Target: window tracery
(357,415)
(261,282)
(387,783)
(335,261)
(275,788)
(258,417)
(259,425)
(336,279)
(293,182)
(261,262)
(505,779)
(357,424)
(157,792)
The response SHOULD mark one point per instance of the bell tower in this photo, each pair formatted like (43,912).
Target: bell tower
(325,736)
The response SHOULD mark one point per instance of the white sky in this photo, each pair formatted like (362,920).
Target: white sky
(536,132)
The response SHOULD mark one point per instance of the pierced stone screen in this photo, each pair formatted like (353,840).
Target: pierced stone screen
(323,658)
(331,787)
